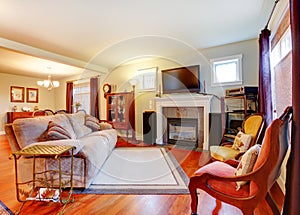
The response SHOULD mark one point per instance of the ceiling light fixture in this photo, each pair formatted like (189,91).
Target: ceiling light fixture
(49,84)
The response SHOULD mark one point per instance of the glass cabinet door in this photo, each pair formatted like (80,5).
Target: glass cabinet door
(121,109)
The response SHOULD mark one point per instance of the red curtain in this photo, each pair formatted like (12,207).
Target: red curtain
(69,97)
(264,88)
(291,203)
(94,106)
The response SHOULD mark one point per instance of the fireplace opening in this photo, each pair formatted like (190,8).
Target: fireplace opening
(182,132)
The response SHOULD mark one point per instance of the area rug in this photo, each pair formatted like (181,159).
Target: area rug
(140,171)
(4,210)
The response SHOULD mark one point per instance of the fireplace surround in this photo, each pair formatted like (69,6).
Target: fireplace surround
(204,103)
(182,132)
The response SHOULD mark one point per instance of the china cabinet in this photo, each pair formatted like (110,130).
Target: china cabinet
(120,112)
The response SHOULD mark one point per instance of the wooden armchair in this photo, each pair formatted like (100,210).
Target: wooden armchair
(252,126)
(219,181)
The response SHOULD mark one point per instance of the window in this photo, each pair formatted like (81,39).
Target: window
(281,69)
(282,48)
(81,95)
(226,70)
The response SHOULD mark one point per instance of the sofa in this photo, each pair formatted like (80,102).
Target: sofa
(93,143)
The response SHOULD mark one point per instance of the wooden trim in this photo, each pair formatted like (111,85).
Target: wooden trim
(283,26)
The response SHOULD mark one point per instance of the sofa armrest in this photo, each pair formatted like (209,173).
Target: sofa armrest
(10,134)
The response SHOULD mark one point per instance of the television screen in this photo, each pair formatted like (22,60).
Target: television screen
(181,80)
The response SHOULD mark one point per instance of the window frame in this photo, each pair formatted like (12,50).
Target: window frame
(226,60)
(80,94)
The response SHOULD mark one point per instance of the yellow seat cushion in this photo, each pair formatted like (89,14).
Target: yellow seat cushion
(223,153)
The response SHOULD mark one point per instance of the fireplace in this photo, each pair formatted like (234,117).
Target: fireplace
(183,106)
(182,132)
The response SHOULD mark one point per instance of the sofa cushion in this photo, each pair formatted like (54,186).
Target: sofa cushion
(223,153)
(77,120)
(30,130)
(247,163)
(223,170)
(57,132)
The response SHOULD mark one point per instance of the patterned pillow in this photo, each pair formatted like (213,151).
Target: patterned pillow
(241,141)
(92,122)
(105,125)
(57,132)
(246,164)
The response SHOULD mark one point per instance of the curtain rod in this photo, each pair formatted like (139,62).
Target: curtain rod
(266,27)
(97,76)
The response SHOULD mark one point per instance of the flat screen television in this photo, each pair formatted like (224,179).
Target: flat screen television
(181,80)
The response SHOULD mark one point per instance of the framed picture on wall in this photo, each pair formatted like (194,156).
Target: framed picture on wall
(32,95)
(16,94)
(148,79)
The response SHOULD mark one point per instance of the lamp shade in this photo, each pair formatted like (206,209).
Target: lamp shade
(49,84)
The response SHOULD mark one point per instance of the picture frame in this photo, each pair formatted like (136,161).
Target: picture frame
(32,95)
(148,79)
(17,94)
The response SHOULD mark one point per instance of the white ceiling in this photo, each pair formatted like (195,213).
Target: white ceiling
(109,33)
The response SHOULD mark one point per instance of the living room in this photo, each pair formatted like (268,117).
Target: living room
(122,71)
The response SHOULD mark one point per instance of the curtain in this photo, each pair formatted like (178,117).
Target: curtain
(69,97)
(264,86)
(291,202)
(94,106)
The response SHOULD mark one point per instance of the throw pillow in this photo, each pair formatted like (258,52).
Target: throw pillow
(77,121)
(246,164)
(105,125)
(57,132)
(92,122)
(241,141)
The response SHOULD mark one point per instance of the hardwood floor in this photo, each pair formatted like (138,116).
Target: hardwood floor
(117,204)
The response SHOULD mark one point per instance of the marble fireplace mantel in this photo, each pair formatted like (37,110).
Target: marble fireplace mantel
(209,103)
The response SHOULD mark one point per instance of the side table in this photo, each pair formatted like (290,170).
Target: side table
(45,151)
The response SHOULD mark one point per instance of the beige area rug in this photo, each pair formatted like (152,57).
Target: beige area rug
(140,171)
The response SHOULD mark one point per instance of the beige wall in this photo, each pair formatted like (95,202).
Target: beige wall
(46,98)
(122,74)
(54,99)
(249,49)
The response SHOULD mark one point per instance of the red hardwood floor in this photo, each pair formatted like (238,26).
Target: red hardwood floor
(119,204)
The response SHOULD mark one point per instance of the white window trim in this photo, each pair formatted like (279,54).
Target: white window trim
(277,53)
(215,61)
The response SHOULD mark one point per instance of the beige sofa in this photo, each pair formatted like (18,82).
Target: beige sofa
(92,147)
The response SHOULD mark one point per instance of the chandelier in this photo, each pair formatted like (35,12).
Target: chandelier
(49,84)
